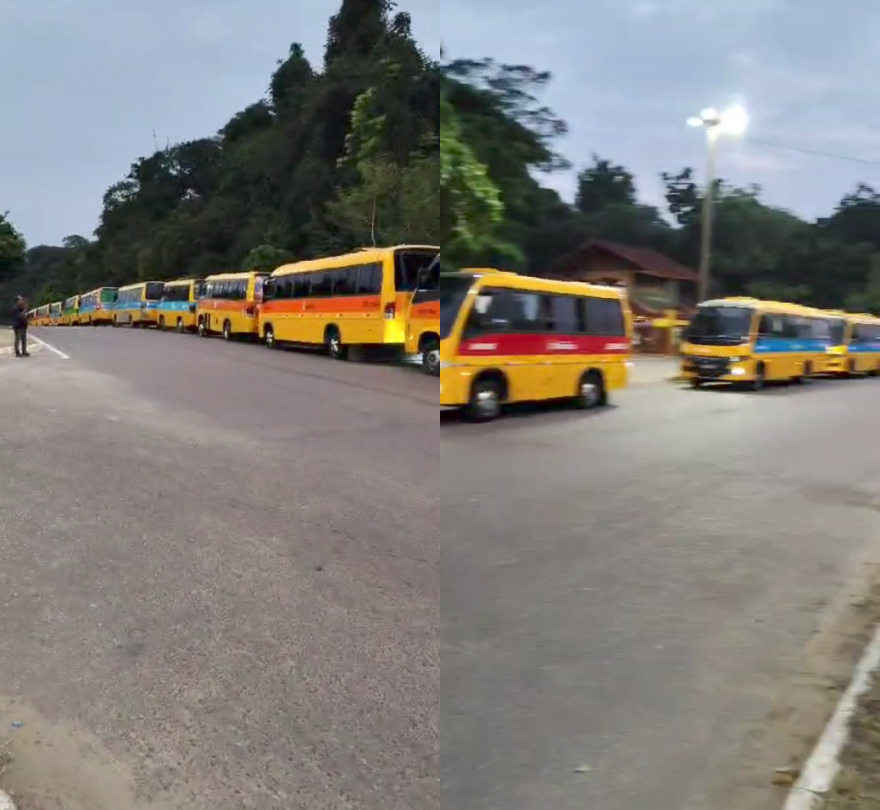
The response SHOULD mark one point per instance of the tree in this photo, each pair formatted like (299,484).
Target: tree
(12,249)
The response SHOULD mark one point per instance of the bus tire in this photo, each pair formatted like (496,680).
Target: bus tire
(758,383)
(430,350)
(486,398)
(591,391)
(202,327)
(162,323)
(227,330)
(180,327)
(333,343)
(269,336)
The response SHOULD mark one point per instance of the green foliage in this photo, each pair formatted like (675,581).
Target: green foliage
(380,145)
(756,249)
(12,249)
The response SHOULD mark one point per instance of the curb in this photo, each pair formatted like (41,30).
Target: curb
(823,765)
(6,803)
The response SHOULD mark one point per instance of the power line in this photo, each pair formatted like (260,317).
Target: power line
(814,152)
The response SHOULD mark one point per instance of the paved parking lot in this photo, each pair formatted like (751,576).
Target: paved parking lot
(219,586)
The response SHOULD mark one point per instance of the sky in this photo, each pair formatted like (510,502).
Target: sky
(91,85)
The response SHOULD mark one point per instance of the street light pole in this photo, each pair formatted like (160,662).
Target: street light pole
(734,122)
(708,212)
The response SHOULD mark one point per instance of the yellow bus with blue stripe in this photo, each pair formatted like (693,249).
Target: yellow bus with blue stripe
(855,349)
(96,307)
(750,342)
(136,304)
(177,309)
(70,312)
(54,314)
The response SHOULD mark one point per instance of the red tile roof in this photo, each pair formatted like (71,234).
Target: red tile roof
(645,260)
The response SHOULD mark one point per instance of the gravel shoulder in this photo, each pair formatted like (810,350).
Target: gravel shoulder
(857,786)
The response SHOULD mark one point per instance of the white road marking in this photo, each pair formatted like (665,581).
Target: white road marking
(50,347)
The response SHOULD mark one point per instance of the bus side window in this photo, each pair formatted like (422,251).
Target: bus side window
(604,317)
(489,313)
(567,314)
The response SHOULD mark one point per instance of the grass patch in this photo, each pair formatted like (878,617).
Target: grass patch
(857,786)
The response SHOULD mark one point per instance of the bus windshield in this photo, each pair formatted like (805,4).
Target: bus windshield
(453,290)
(720,326)
(837,331)
(412,266)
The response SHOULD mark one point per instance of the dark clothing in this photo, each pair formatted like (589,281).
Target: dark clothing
(19,317)
(21,341)
(20,325)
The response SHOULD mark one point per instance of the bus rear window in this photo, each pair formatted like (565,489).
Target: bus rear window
(154,291)
(108,295)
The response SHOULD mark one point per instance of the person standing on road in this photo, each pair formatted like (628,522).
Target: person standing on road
(19,326)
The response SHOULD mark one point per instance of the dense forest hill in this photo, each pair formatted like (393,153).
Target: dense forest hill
(382,144)
(335,157)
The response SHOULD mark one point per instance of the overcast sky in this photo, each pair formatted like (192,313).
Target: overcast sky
(87,82)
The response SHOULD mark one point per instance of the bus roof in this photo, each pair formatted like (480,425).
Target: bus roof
(179,281)
(235,276)
(517,281)
(360,256)
(139,284)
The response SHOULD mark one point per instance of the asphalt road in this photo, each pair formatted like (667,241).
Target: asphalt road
(625,594)
(219,578)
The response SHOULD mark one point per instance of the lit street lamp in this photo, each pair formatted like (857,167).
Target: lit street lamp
(733,121)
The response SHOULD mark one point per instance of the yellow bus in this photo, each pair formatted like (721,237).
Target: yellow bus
(423,320)
(507,338)
(230,304)
(136,304)
(749,341)
(177,309)
(54,314)
(96,307)
(855,347)
(358,299)
(69,312)
(41,316)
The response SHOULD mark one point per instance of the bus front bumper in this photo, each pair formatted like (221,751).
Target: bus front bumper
(717,369)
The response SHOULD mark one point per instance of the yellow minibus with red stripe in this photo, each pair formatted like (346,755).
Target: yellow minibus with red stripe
(507,338)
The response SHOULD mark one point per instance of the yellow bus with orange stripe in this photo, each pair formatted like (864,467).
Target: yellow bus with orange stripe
(230,304)
(41,316)
(423,320)
(357,299)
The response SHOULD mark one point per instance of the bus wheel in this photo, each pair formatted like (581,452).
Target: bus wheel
(431,357)
(485,401)
(333,342)
(227,330)
(180,327)
(162,322)
(591,391)
(269,337)
(696,382)
(758,382)
(203,328)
